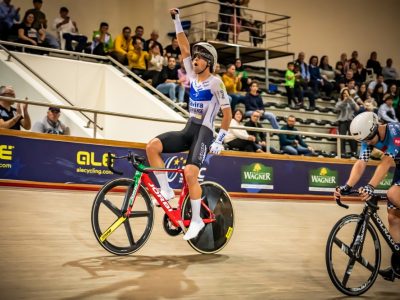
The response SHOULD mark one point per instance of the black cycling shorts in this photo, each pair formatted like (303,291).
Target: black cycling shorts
(194,137)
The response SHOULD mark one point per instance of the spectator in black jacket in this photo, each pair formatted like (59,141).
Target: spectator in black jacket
(293,144)
(170,82)
(253,102)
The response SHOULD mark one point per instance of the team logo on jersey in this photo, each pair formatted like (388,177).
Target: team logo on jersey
(396,141)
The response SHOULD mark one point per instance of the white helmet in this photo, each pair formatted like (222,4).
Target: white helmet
(208,52)
(364,126)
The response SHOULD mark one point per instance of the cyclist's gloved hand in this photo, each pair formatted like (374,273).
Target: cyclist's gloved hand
(216,147)
(344,189)
(366,192)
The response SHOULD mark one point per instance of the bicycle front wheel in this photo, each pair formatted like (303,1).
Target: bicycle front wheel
(353,258)
(215,235)
(128,234)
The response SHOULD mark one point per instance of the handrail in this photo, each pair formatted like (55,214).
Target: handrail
(268,131)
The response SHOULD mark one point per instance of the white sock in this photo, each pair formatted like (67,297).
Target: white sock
(163,181)
(196,223)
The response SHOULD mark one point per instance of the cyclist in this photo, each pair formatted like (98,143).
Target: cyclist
(366,128)
(207,96)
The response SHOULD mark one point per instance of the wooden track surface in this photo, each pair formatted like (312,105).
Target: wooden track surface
(277,251)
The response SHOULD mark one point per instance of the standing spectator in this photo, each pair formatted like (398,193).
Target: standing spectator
(259,135)
(379,80)
(233,85)
(290,85)
(390,74)
(10,117)
(239,138)
(293,144)
(225,13)
(29,35)
(154,40)
(139,31)
(173,50)
(155,65)
(170,81)
(102,43)
(346,107)
(41,23)
(244,75)
(253,102)
(51,123)
(68,32)
(138,58)
(374,64)
(318,81)
(386,112)
(122,45)
(9,15)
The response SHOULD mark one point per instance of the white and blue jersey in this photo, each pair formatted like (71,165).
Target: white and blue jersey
(205,98)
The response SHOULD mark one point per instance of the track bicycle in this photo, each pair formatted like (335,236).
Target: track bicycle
(353,250)
(123,224)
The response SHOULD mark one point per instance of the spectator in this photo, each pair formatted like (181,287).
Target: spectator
(102,43)
(326,69)
(155,65)
(217,69)
(379,80)
(225,13)
(122,45)
(374,64)
(386,112)
(302,90)
(369,105)
(344,61)
(349,75)
(170,81)
(254,27)
(9,15)
(260,136)
(40,23)
(68,32)
(304,79)
(138,58)
(339,73)
(351,85)
(29,35)
(354,57)
(378,93)
(390,74)
(245,76)
(10,117)
(139,31)
(233,85)
(290,85)
(346,108)
(239,138)
(363,92)
(173,50)
(293,144)
(182,75)
(359,73)
(154,40)
(318,81)
(51,123)
(253,102)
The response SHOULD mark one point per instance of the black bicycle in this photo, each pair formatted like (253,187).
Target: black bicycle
(353,251)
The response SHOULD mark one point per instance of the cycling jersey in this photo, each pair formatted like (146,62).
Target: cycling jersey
(390,146)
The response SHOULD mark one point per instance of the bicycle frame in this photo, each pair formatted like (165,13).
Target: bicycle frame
(384,232)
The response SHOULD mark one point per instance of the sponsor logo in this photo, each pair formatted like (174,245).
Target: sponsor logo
(160,197)
(386,232)
(396,141)
(179,162)
(386,183)
(6,152)
(96,166)
(256,177)
(322,180)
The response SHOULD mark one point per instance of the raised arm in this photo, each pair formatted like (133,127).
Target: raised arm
(183,42)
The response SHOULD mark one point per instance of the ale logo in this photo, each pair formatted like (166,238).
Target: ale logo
(386,182)
(256,177)
(322,180)
(6,152)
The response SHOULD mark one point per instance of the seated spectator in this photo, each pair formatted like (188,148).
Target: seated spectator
(318,81)
(379,80)
(122,45)
(349,75)
(326,69)
(244,75)
(301,89)
(10,117)
(9,15)
(374,64)
(40,23)
(51,123)
(68,32)
(363,92)
(293,144)
(260,136)
(139,31)
(292,90)
(386,112)
(138,58)
(253,102)
(233,85)
(303,69)
(170,81)
(27,34)
(345,62)
(155,65)
(346,108)
(354,57)
(217,69)
(378,93)
(154,40)
(239,138)
(390,74)
(368,105)
(359,73)
(351,85)
(102,43)
(173,50)
(182,75)
(339,73)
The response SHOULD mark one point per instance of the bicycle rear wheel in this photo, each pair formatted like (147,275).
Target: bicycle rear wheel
(353,261)
(110,205)
(215,235)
